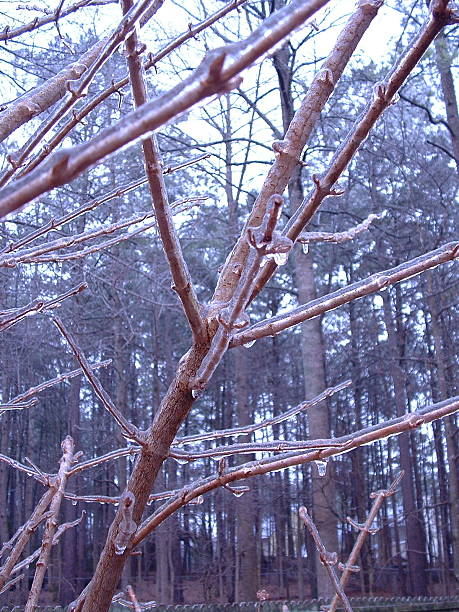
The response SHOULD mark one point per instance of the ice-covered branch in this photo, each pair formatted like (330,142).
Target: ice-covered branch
(22,537)
(50,16)
(327,558)
(182,283)
(266,242)
(77,89)
(217,73)
(288,150)
(338,237)
(384,94)
(54,381)
(115,87)
(58,487)
(342,444)
(364,531)
(43,96)
(128,430)
(11,317)
(376,282)
(274,420)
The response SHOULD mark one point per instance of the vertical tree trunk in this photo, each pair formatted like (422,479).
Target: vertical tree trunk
(246,579)
(444,61)
(415,532)
(449,423)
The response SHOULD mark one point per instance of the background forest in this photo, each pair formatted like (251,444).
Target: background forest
(397,346)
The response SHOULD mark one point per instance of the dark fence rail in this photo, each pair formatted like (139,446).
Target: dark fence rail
(372,604)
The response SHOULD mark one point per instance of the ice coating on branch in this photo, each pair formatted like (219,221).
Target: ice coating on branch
(127,526)
(321,467)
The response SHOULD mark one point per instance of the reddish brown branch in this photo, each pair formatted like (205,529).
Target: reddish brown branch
(129,430)
(376,282)
(65,165)
(328,559)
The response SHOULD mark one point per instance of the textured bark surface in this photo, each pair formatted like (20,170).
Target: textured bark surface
(415,535)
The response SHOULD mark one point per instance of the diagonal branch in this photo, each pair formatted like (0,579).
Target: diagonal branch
(328,559)
(385,94)
(252,427)
(266,242)
(152,60)
(364,530)
(129,431)
(77,89)
(23,536)
(347,443)
(9,318)
(10,33)
(58,488)
(54,381)
(338,237)
(217,73)
(288,150)
(153,168)
(376,282)
(43,96)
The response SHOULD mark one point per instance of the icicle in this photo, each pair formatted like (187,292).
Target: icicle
(180,460)
(281,258)
(305,248)
(195,393)
(321,467)
(249,344)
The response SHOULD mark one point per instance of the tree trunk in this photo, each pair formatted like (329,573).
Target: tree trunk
(415,532)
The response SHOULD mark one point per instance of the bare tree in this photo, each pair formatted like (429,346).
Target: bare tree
(223,323)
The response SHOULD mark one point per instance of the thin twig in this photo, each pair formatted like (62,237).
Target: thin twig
(364,531)
(129,430)
(11,317)
(252,427)
(153,169)
(54,381)
(376,282)
(328,559)
(217,73)
(338,237)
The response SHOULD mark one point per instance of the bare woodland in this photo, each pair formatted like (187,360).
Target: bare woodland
(229,302)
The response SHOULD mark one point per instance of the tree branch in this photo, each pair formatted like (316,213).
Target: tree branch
(217,73)
(129,431)
(328,559)
(288,150)
(346,443)
(169,238)
(375,282)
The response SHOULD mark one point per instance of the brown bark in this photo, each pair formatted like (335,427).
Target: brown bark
(449,422)
(247,576)
(415,530)
(444,62)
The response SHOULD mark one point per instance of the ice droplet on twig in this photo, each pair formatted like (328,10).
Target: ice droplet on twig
(195,393)
(238,492)
(249,343)
(305,248)
(119,549)
(180,460)
(321,467)
(281,258)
